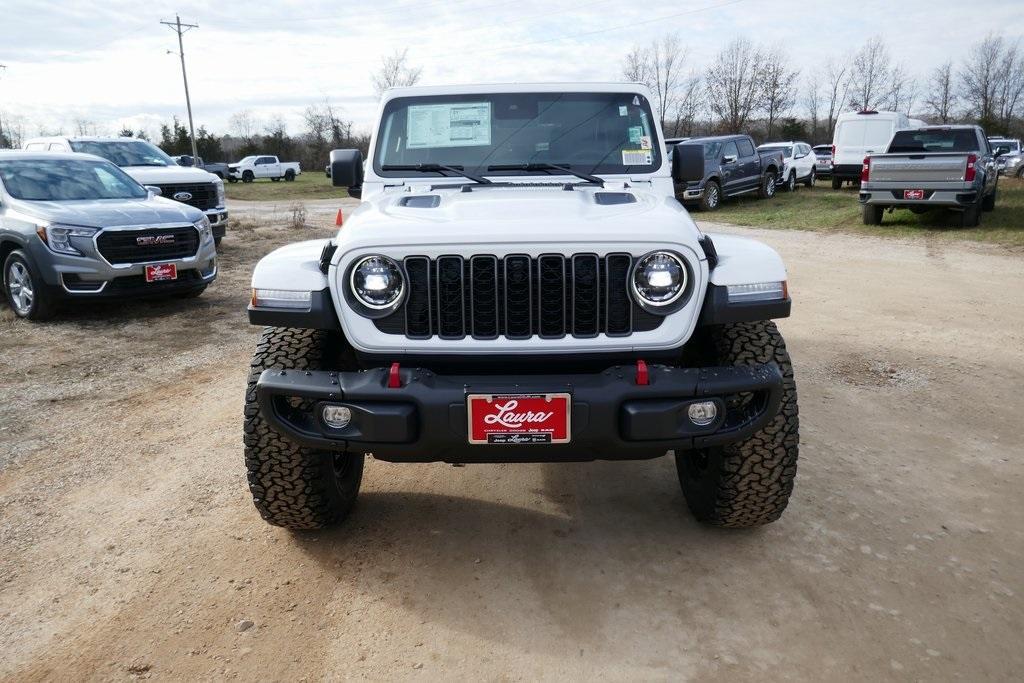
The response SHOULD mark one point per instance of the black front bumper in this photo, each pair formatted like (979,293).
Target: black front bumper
(612,417)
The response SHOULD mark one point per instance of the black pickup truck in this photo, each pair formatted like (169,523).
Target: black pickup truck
(732,166)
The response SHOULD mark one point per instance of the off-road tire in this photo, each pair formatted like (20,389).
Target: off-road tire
(293,486)
(769,185)
(712,197)
(970,217)
(873,214)
(811,178)
(748,483)
(837,184)
(989,202)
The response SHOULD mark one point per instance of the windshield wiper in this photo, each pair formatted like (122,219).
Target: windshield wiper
(437,168)
(544,166)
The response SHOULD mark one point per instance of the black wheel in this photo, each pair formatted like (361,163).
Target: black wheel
(837,183)
(769,183)
(970,217)
(989,202)
(248,177)
(712,197)
(293,486)
(811,178)
(748,483)
(289,175)
(791,182)
(25,290)
(873,214)
(191,293)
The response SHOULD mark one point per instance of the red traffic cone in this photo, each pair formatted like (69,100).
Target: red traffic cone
(339,220)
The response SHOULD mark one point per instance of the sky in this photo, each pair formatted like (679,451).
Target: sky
(109,62)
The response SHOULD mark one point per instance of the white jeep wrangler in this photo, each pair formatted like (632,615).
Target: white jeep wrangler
(519,284)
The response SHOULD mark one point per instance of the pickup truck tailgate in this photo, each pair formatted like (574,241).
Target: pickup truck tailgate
(918,168)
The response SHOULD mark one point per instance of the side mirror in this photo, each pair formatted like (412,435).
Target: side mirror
(687,163)
(153,190)
(347,170)
(186,161)
(729,159)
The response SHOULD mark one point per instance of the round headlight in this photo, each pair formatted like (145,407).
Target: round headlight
(659,279)
(377,282)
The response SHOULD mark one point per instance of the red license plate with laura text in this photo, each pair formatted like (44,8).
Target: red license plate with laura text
(518,419)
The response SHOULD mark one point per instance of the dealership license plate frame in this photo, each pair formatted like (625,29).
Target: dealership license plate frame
(154,272)
(525,435)
(913,194)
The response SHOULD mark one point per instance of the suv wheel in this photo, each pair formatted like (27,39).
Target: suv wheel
(989,202)
(289,175)
(970,216)
(791,182)
(293,486)
(25,290)
(810,179)
(712,197)
(748,483)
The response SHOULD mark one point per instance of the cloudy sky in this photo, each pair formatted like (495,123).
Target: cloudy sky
(107,61)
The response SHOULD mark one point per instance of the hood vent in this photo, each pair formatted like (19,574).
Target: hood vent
(421,201)
(612,198)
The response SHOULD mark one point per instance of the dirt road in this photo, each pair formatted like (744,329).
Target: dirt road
(130,547)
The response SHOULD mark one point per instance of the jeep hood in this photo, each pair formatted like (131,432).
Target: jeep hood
(534,215)
(158,175)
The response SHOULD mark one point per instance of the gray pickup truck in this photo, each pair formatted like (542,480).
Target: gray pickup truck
(952,167)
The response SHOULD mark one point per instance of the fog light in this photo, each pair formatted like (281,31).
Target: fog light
(702,413)
(337,417)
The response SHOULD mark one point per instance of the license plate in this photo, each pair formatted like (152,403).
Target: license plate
(913,194)
(161,271)
(518,419)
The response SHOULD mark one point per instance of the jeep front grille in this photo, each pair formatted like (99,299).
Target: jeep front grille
(518,297)
(139,246)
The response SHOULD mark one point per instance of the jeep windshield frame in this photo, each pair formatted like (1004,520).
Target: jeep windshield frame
(519,134)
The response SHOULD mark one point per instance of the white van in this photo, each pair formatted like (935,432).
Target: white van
(859,134)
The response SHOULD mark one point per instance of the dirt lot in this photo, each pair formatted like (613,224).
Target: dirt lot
(131,548)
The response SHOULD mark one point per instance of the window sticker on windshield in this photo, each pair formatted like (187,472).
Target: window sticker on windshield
(623,110)
(635,132)
(637,157)
(462,124)
(645,142)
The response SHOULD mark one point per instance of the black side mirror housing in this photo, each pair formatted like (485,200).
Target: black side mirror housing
(687,163)
(347,170)
(187,161)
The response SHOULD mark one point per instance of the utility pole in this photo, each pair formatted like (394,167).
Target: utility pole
(180,29)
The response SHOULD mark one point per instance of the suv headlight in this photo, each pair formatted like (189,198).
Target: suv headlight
(59,237)
(205,233)
(377,282)
(659,279)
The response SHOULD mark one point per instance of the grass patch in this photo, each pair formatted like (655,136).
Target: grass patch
(822,208)
(309,185)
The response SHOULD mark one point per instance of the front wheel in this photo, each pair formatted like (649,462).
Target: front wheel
(989,202)
(791,182)
(293,486)
(970,217)
(810,179)
(747,483)
(289,176)
(248,177)
(25,289)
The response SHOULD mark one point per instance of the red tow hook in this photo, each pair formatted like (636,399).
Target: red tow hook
(643,378)
(394,379)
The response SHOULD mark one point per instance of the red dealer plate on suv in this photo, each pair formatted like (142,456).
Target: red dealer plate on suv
(518,418)
(913,194)
(161,271)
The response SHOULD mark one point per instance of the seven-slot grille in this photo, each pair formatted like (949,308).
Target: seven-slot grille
(204,195)
(140,246)
(518,297)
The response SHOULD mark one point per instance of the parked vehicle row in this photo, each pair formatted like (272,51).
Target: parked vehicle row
(799,164)
(732,166)
(266,166)
(150,166)
(860,133)
(74,226)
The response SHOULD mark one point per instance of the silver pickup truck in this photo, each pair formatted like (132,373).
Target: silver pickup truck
(950,167)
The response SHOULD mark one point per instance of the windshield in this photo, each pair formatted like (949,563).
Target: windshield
(911,141)
(588,132)
(124,152)
(786,151)
(58,180)
(247,160)
(1013,145)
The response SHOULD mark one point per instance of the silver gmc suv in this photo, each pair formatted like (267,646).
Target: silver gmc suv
(75,226)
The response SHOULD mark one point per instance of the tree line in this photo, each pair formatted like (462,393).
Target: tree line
(755,89)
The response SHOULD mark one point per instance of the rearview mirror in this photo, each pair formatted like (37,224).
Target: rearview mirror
(347,170)
(687,163)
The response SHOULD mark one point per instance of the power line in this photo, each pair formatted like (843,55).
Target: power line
(182,29)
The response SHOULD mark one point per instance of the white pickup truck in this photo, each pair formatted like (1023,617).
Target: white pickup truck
(519,284)
(265,166)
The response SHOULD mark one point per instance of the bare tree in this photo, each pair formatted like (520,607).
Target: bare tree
(837,80)
(813,101)
(871,76)
(660,68)
(734,84)
(689,104)
(84,126)
(636,65)
(979,79)
(395,72)
(778,91)
(902,90)
(244,125)
(1010,83)
(943,96)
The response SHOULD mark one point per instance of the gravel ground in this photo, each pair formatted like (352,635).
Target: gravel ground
(131,548)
